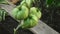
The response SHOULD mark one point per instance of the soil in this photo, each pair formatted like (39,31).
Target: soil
(7,26)
(52,18)
(50,15)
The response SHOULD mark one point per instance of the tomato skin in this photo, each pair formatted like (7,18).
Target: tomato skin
(30,22)
(20,13)
(23,14)
(36,12)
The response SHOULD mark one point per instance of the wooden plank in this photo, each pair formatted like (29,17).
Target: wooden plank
(41,28)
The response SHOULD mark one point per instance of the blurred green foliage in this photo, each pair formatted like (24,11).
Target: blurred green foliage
(3,2)
(53,2)
(3,13)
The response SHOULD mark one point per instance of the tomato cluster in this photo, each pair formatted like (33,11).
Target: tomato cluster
(30,15)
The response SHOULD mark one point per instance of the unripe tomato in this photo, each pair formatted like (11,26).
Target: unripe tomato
(23,13)
(36,12)
(30,22)
(20,12)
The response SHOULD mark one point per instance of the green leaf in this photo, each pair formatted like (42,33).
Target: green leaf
(49,1)
(2,14)
(3,2)
(57,2)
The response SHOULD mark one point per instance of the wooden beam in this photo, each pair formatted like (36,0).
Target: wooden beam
(41,28)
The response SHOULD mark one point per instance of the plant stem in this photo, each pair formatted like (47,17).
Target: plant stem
(15,29)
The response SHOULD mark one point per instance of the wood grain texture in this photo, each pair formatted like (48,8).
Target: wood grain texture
(41,28)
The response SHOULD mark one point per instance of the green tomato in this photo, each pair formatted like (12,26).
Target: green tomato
(30,22)
(36,12)
(21,13)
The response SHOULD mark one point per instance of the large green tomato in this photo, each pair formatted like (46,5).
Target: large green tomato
(20,12)
(36,12)
(30,22)
(23,13)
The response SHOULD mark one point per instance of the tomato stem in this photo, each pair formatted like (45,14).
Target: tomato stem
(15,29)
